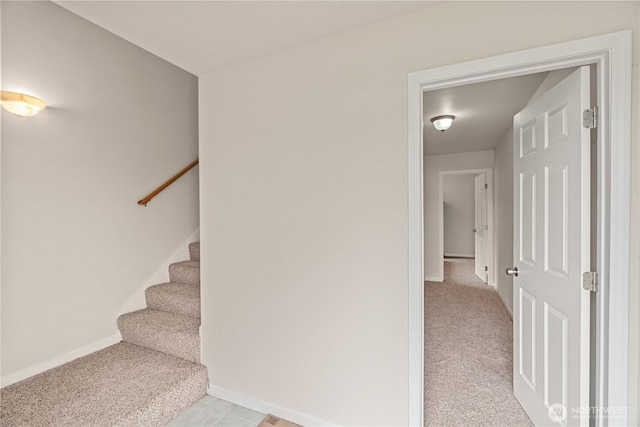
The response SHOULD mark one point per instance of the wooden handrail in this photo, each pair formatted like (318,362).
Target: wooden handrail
(155,192)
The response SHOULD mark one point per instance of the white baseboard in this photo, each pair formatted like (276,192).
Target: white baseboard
(60,360)
(434,279)
(138,301)
(460,255)
(265,407)
(506,307)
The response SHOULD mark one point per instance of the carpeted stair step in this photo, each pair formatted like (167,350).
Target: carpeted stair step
(194,251)
(175,297)
(169,333)
(122,385)
(185,272)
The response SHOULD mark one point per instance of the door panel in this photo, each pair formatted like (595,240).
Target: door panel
(527,342)
(551,251)
(556,220)
(555,351)
(527,218)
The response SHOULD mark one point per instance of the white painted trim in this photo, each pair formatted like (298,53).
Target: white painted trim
(491,276)
(265,407)
(434,279)
(138,300)
(470,256)
(415,247)
(60,360)
(612,55)
(613,301)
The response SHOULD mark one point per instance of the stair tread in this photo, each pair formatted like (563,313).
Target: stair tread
(185,289)
(185,272)
(123,384)
(171,333)
(162,320)
(178,298)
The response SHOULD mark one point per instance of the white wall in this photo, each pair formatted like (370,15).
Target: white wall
(458,194)
(433,165)
(304,206)
(553,78)
(75,245)
(503,174)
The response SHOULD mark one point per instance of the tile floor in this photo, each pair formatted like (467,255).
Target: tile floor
(211,411)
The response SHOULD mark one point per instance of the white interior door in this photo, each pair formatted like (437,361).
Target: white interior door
(480,227)
(551,251)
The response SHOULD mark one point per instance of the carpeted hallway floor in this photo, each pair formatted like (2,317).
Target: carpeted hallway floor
(468,353)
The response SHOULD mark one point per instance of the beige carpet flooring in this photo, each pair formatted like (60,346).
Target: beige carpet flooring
(468,353)
(122,385)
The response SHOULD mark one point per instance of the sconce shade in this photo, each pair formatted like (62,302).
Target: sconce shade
(21,104)
(442,123)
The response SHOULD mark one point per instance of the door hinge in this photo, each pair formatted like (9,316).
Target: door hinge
(590,281)
(590,118)
(486,268)
(486,186)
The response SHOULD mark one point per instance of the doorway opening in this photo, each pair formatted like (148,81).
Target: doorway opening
(466,219)
(611,56)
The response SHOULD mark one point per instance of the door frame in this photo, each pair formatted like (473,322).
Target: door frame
(611,54)
(490,236)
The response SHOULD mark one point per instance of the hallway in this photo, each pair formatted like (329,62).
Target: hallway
(468,353)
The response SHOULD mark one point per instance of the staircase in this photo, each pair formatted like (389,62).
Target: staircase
(171,322)
(146,380)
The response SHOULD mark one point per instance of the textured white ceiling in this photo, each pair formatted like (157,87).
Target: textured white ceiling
(202,36)
(484,113)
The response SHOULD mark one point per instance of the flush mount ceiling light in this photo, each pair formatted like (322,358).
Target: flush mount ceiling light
(21,104)
(442,123)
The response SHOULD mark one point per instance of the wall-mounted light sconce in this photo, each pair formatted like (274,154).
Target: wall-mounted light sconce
(21,104)
(442,123)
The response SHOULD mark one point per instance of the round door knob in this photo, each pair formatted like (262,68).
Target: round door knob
(512,271)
